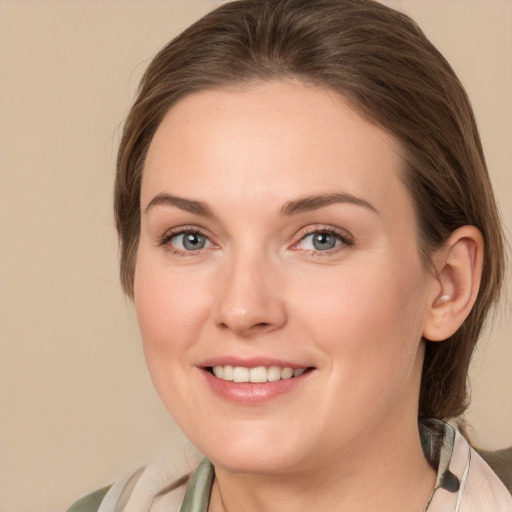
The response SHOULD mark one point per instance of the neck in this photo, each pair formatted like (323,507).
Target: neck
(387,471)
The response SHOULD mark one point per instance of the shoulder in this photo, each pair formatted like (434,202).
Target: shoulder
(484,489)
(485,485)
(157,487)
(501,463)
(89,503)
(465,482)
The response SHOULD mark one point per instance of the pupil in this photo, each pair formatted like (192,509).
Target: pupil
(193,241)
(323,241)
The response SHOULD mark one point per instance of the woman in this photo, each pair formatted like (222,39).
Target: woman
(310,237)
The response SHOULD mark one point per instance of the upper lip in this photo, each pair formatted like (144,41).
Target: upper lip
(251,362)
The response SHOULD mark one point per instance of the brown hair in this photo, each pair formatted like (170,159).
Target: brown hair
(384,65)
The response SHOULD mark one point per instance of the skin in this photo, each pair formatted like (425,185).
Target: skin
(345,437)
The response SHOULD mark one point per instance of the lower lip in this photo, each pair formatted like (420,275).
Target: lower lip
(249,393)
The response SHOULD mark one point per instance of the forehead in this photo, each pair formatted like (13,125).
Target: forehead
(271,139)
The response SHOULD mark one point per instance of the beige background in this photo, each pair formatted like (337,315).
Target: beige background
(77,406)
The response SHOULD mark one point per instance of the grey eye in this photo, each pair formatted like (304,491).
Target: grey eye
(189,241)
(321,241)
(324,241)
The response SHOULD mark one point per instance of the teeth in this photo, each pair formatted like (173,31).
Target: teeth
(227,373)
(274,373)
(240,374)
(286,373)
(257,374)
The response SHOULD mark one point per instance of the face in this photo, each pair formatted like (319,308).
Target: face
(278,286)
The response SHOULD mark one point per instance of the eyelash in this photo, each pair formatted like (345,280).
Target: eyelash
(342,237)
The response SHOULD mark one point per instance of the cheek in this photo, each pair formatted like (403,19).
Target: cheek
(169,306)
(367,316)
(171,309)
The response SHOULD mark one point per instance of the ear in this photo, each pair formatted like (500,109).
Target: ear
(458,266)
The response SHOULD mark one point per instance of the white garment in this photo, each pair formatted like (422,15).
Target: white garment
(480,489)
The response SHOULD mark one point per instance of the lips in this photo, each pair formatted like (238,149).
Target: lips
(253,381)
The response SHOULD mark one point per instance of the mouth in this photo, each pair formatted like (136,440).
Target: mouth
(257,374)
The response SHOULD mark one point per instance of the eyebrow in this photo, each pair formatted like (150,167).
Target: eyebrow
(295,207)
(314,202)
(188,205)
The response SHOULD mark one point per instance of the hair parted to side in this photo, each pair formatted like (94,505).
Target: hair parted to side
(383,64)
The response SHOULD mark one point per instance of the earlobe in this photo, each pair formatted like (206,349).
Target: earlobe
(458,272)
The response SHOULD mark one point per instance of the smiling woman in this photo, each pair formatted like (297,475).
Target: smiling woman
(311,240)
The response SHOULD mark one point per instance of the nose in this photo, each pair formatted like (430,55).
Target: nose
(250,300)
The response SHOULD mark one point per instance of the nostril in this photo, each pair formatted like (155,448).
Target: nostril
(246,329)
(261,317)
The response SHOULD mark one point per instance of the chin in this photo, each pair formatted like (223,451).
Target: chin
(250,461)
(252,452)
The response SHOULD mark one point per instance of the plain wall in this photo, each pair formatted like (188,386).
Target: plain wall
(77,405)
